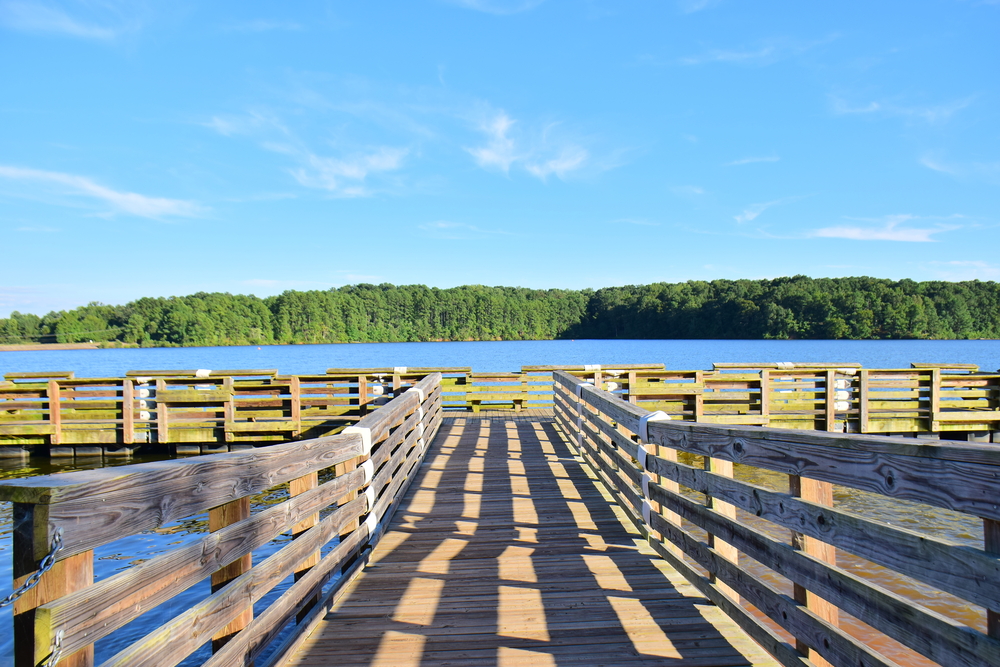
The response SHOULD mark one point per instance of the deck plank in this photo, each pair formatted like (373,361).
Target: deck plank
(507,551)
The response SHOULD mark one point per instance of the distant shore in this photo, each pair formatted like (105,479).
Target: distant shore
(49,346)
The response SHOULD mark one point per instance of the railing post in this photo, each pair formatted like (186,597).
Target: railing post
(822,494)
(128,411)
(218,518)
(722,468)
(33,644)
(162,425)
(55,411)
(830,402)
(296,487)
(765,395)
(362,395)
(863,409)
(295,407)
(935,401)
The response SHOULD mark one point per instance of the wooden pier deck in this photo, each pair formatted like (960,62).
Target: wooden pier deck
(507,550)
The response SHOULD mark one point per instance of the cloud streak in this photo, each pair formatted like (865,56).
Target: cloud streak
(345,176)
(752,160)
(768,52)
(498,7)
(37,17)
(129,203)
(938,113)
(541,157)
(892,229)
(751,212)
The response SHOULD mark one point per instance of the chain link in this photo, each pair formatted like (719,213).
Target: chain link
(43,567)
(56,653)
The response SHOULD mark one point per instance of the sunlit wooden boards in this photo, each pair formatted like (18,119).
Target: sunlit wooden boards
(506,551)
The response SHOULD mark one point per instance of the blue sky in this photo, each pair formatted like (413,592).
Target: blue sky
(156,149)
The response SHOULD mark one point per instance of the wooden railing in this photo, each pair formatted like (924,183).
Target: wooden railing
(198,412)
(709,526)
(340,492)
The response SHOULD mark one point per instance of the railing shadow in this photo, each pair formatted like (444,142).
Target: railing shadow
(508,552)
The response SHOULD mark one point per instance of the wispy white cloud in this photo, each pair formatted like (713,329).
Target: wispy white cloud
(345,177)
(129,203)
(692,6)
(42,17)
(764,53)
(263,25)
(498,7)
(935,165)
(751,160)
(341,176)
(444,229)
(889,228)
(751,212)
(989,171)
(499,150)
(722,56)
(542,154)
(938,113)
(687,190)
(570,159)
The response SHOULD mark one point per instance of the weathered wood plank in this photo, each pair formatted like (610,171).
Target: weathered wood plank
(940,639)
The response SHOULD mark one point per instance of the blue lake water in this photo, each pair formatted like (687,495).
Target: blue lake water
(507,355)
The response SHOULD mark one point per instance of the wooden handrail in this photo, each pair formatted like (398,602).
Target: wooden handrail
(89,509)
(960,477)
(182,412)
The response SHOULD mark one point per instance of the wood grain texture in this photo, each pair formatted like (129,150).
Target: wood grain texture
(940,639)
(520,557)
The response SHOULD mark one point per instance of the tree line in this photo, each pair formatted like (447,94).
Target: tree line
(783,308)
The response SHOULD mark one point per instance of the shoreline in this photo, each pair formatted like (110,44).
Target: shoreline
(24,347)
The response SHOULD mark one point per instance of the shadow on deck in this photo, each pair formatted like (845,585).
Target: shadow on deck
(508,551)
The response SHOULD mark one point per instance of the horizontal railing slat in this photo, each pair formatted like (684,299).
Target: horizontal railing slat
(171,643)
(963,571)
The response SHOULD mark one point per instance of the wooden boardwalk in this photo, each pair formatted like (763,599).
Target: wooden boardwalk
(508,551)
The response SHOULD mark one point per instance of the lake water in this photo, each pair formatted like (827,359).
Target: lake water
(507,355)
(481,356)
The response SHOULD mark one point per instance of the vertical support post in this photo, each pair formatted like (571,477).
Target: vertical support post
(362,395)
(863,397)
(765,395)
(699,398)
(66,576)
(55,412)
(935,396)
(822,494)
(343,469)
(991,535)
(128,411)
(722,468)
(295,396)
(669,454)
(523,403)
(830,413)
(218,518)
(632,380)
(229,411)
(162,425)
(296,487)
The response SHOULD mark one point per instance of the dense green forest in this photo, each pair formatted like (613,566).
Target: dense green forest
(796,307)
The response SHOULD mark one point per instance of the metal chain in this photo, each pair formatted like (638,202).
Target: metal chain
(43,567)
(56,653)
